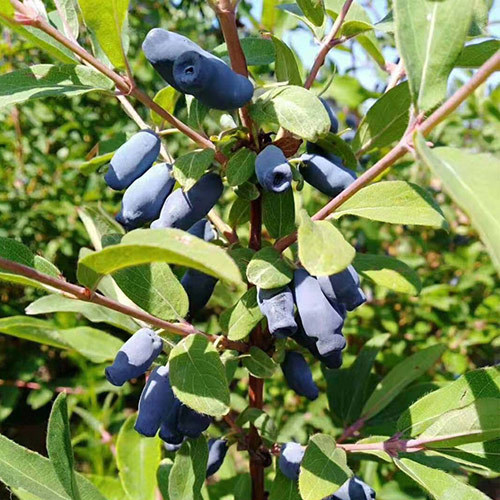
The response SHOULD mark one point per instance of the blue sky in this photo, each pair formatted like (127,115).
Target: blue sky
(303,44)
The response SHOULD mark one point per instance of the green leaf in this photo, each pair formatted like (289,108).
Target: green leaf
(242,257)
(24,469)
(473,423)
(198,376)
(439,484)
(94,344)
(322,248)
(69,11)
(402,375)
(154,288)
(324,468)
(268,270)
(333,143)
(292,9)
(258,51)
(348,91)
(137,458)
(278,213)
(93,312)
(388,272)
(109,486)
(430,36)
(162,476)
(59,446)
(173,246)
(93,165)
(258,363)
(106,20)
(189,168)
(98,224)
(396,202)
(167,98)
(484,382)
(188,472)
(245,316)
(477,54)
(484,456)
(386,121)
(295,109)
(46,80)
(240,167)
(286,67)
(313,10)
(261,421)
(473,181)
(248,191)
(284,488)
(196,112)
(239,213)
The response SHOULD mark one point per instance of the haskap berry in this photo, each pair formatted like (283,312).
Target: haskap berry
(291,457)
(278,307)
(319,319)
(273,170)
(199,286)
(144,198)
(217,449)
(298,375)
(169,432)
(343,287)
(191,423)
(172,448)
(135,357)
(326,173)
(132,159)
(334,123)
(354,489)
(157,398)
(211,81)
(182,208)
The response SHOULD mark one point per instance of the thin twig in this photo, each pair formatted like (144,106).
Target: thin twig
(78,292)
(35,386)
(487,69)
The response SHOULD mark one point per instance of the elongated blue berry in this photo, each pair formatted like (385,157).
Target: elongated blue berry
(144,198)
(278,307)
(217,449)
(344,287)
(273,171)
(172,448)
(156,401)
(319,319)
(169,432)
(135,357)
(183,209)
(132,159)
(290,459)
(211,81)
(326,173)
(354,489)
(191,423)
(298,375)
(334,123)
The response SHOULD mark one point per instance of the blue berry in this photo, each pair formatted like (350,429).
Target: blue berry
(278,307)
(156,400)
(172,448)
(319,319)
(298,375)
(343,287)
(290,459)
(132,159)
(191,423)
(217,449)
(168,430)
(273,171)
(354,489)
(334,123)
(211,81)
(183,209)
(326,173)
(135,357)
(144,198)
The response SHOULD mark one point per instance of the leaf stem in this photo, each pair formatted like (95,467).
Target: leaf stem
(487,69)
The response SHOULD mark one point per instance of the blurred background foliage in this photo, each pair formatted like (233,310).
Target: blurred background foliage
(42,145)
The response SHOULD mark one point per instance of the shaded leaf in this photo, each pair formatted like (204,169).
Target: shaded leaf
(190,167)
(258,363)
(258,51)
(245,316)
(286,67)
(283,488)
(278,213)
(240,167)
(268,270)
(313,10)
(475,55)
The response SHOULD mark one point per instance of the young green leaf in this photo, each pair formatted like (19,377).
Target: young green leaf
(258,363)
(196,112)
(430,36)
(167,98)
(240,167)
(477,54)
(278,213)
(261,421)
(137,458)
(322,248)
(388,272)
(313,10)
(98,224)
(400,377)
(239,213)
(45,80)
(396,202)
(190,167)
(473,181)
(59,446)
(324,468)
(286,67)
(268,270)
(258,51)
(198,376)
(245,316)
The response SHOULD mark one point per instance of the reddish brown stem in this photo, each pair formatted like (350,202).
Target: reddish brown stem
(487,69)
(35,386)
(351,430)
(79,292)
